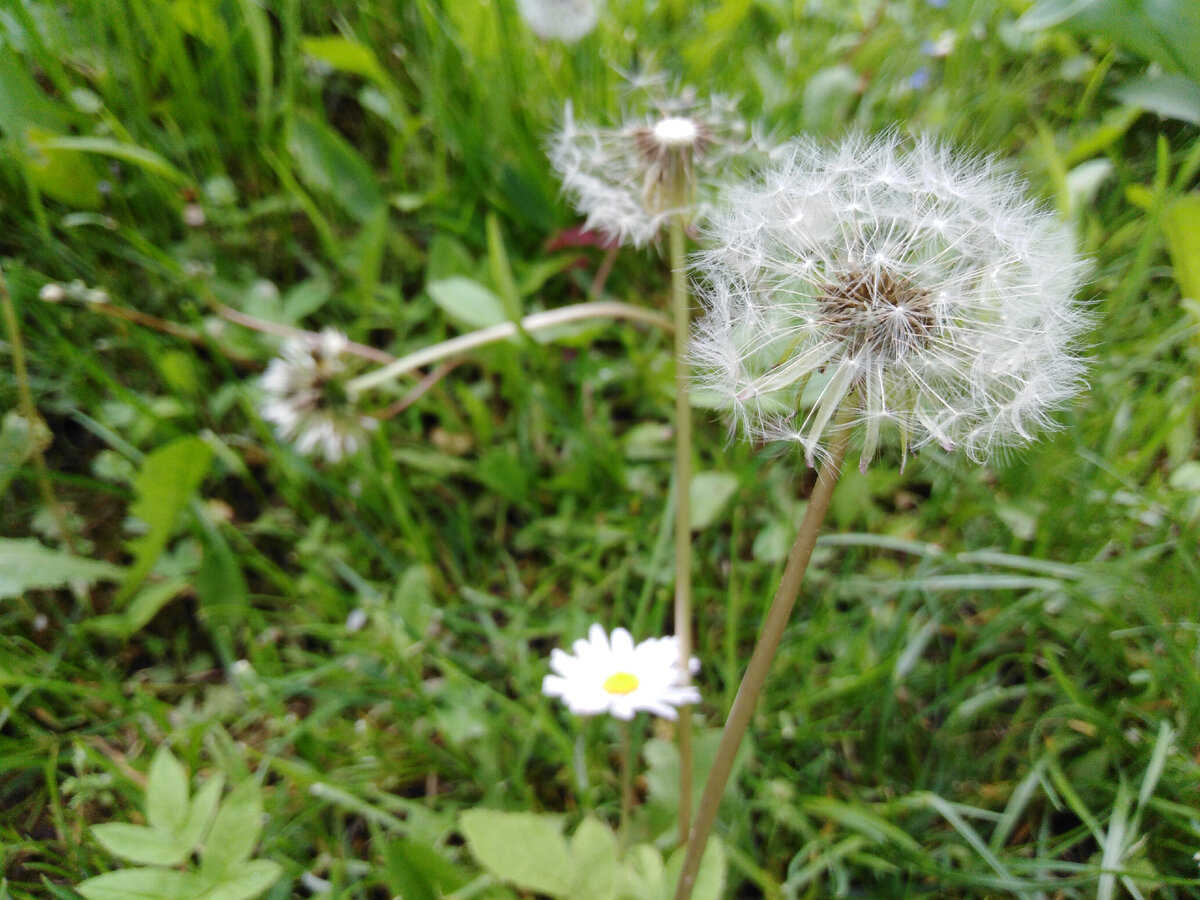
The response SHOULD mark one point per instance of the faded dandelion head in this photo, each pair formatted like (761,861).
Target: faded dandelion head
(662,161)
(889,287)
(563,20)
(306,399)
(618,677)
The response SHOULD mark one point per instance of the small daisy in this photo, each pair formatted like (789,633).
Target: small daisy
(306,399)
(563,20)
(662,161)
(618,677)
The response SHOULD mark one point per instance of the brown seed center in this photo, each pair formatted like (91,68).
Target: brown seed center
(880,311)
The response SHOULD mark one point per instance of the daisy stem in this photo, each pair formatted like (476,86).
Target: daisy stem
(626,785)
(760,663)
(609,309)
(681,309)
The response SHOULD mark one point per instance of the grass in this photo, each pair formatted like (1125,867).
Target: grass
(991,687)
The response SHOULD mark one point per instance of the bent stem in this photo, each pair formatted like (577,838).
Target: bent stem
(609,309)
(760,663)
(681,310)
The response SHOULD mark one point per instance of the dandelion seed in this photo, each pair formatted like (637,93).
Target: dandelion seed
(913,289)
(564,20)
(618,677)
(662,161)
(306,400)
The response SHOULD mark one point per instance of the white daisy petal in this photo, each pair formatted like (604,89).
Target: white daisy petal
(619,677)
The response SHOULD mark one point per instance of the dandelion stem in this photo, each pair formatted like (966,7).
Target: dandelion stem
(609,309)
(29,411)
(681,309)
(760,663)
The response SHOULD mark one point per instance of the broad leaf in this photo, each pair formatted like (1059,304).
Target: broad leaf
(166,792)
(142,884)
(417,871)
(26,564)
(467,302)
(329,163)
(234,831)
(523,849)
(244,882)
(142,845)
(709,493)
(710,880)
(1168,95)
(594,856)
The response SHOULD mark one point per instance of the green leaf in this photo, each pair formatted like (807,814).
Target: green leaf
(142,845)
(130,153)
(710,880)
(328,163)
(1169,95)
(200,19)
(594,856)
(416,871)
(166,792)
(523,849)
(500,270)
(26,564)
(142,884)
(828,96)
(68,176)
(234,831)
(345,55)
(245,881)
(467,302)
(166,481)
(709,493)
(1182,226)
(200,812)
(1165,31)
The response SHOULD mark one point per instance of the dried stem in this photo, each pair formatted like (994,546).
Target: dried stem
(505,330)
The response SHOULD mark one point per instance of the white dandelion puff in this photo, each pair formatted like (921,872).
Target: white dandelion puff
(563,20)
(664,160)
(306,401)
(886,287)
(619,677)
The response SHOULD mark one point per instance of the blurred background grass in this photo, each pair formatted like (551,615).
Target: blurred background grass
(992,685)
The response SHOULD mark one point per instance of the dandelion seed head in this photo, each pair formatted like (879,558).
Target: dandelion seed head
(663,160)
(305,398)
(889,287)
(564,20)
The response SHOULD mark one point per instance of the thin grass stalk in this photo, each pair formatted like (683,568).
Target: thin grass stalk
(29,411)
(760,663)
(681,314)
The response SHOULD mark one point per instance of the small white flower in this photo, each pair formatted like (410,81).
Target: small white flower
(619,678)
(305,400)
(871,285)
(564,20)
(662,161)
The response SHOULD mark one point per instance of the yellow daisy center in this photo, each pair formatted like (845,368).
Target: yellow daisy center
(621,683)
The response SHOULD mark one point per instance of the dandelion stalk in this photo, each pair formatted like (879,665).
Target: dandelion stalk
(680,304)
(29,411)
(760,663)
(609,309)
